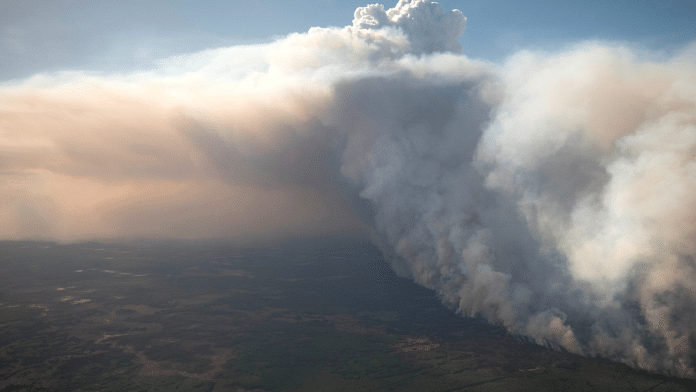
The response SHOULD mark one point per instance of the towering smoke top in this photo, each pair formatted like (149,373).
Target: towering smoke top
(426,27)
(553,194)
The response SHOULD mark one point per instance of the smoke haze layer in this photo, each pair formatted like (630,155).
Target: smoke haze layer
(554,194)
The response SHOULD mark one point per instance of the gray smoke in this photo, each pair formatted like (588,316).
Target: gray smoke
(554,194)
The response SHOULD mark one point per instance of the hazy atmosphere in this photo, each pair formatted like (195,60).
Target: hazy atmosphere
(533,165)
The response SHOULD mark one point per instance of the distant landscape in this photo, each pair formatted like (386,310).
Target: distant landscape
(312,315)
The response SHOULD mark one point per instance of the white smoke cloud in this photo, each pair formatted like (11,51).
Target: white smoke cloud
(553,194)
(427,28)
(596,148)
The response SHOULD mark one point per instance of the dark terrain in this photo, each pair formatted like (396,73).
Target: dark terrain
(304,316)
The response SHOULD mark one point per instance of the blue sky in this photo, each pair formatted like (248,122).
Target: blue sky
(38,36)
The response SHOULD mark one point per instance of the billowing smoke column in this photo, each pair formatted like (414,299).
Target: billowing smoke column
(555,195)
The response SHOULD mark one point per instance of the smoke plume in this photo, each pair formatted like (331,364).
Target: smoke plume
(554,194)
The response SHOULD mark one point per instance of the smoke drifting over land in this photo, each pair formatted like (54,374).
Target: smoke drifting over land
(555,194)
